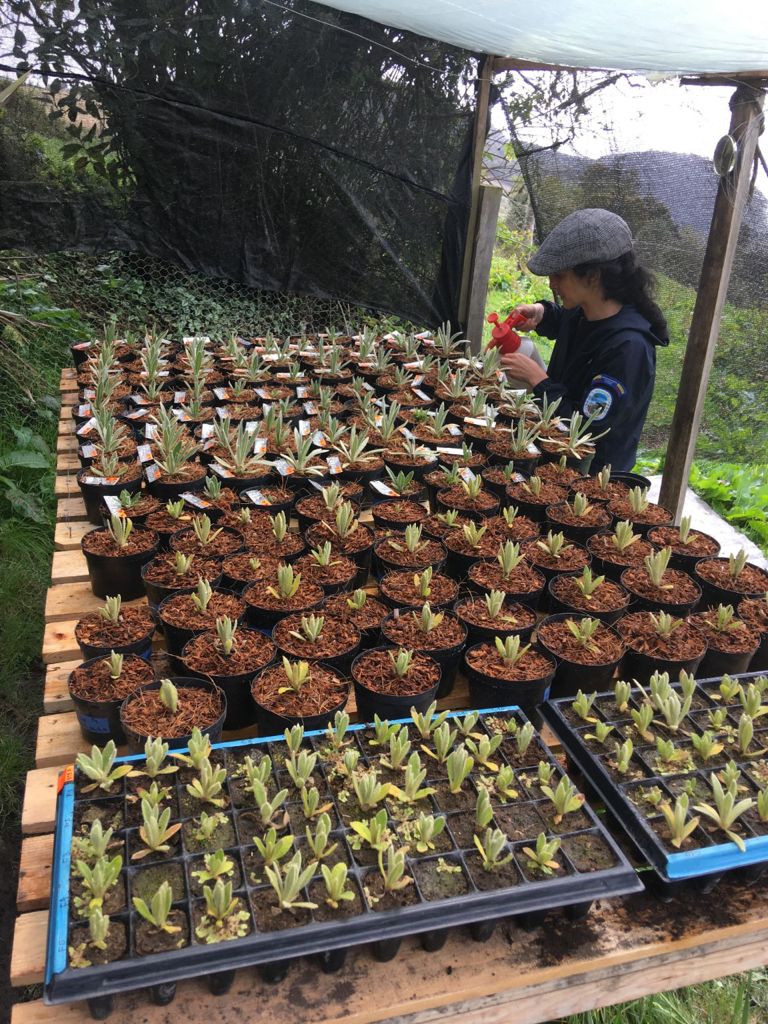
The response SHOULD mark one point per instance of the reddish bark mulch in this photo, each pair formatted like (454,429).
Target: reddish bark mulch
(227,542)
(653,514)
(355,542)
(550,494)
(751,579)
(393,549)
(739,639)
(522,580)
(520,529)
(339,570)
(365,618)
(313,505)
(487,547)
(433,526)
(190,473)
(252,650)
(754,611)
(554,473)
(238,567)
(590,486)
(398,511)
(323,691)
(134,624)
(684,643)
(338,637)
(700,545)
(164,522)
(572,556)
(399,587)
(601,545)
(258,596)
(265,543)
(604,646)
(512,616)
(99,542)
(608,597)
(404,631)
(596,516)
(456,497)
(95,682)
(161,571)
(677,586)
(486,659)
(146,715)
(181,611)
(375,671)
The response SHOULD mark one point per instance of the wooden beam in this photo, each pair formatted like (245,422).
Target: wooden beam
(478,148)
(746,121)
(483,243)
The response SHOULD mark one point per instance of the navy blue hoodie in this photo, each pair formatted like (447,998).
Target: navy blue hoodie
(604,366)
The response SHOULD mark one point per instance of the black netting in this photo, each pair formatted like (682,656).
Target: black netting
(284,146)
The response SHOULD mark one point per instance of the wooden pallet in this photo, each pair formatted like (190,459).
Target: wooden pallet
(624,949)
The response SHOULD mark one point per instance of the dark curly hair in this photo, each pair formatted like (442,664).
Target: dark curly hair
(627,281)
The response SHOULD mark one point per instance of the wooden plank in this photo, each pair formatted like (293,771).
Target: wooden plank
(732,194)
(479,134)
(66,443)
(68,375)
(71,509)
(484,242)
(59,642)
(39,810)
(56,694)
(28,955)
(68,567)
(69,534)
(66,600)
(536,971)
(67,462)
(68,397)
(35,868)
(66,486)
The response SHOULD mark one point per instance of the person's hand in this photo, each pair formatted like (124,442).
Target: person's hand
(523,368)
(534,313)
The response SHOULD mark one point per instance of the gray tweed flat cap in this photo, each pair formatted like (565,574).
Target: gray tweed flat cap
(586,236)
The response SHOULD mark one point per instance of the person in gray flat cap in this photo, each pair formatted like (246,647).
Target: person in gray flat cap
(606,329)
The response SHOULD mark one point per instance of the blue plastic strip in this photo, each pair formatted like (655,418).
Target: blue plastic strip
(712,859)
(56,959)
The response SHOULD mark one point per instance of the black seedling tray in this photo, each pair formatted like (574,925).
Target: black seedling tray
(384,928)
(702,866)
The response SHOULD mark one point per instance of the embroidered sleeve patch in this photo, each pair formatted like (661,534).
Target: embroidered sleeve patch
(603,392)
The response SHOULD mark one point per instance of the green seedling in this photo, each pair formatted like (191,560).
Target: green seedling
(267,809)
(582,705)
(392,869)
(483,750)
(622,537)
(399,749)
(155,830)
(198,750)
(623,756)
(226,631)
(368,790)
(120,529)
(99,767)
(541,860)
(222,919)
(727,809)
(427,722)
(203,530)
(422,832)
(272,848)
(202,595)
(679,825)
(374,832)
(94,846)
(310,803)
(301,768)
(288,583)
(297,674)
(411,790)
(458,767)
(622,692)
(601,733)
(216,865)
(335,881)
(97,879)
(490,848)
(318,841)
(443,739)
(565,798)
(510,649)
(588,584)
(706,745)
(159,909)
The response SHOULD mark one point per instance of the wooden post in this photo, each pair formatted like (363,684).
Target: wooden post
(746,122)
(478,148)
(483,243)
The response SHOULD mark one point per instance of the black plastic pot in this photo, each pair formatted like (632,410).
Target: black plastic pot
(110,575)
(557,606)
(448,658)
(165,491)
(305,521)
(479,634)
(142,647)
(721,663)
(680,560)
(631,480)
(643,604)
(580,534)
(419,469)
(530,598)
(390,602)
(487,692)
(572,676)
(241,711)
(376,497)
(458,563)
(273,509)
(177,638)
(136,742)
(266,618)
(99,720)
(94,492)
(371,702)
(581,465)
(379,512)
(549,574)
(156,593)
(381,566)
(271,724)
(441,505)
(641,667)
(712,595)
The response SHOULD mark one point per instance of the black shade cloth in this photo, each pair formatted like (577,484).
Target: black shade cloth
(283,146)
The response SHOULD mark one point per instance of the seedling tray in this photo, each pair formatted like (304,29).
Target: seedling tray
(383,928)
(711,858)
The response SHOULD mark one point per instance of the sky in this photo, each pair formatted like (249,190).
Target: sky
(663,116)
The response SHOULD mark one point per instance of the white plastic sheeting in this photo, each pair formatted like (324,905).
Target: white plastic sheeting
(642,35)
